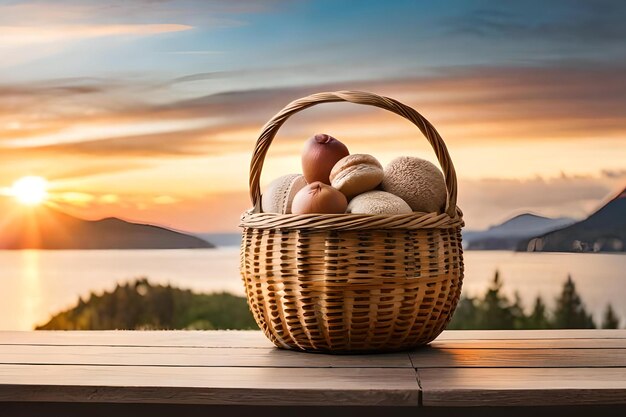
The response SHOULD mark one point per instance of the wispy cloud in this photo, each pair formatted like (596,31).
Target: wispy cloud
(508,124)
(205,12)
(484,105)
(26,35)
(587,22)
(196,52)
(43,29)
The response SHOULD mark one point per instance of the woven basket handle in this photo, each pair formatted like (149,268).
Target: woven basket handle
(358,97)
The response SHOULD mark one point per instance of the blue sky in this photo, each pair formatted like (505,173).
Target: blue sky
(323,40)
(103,97)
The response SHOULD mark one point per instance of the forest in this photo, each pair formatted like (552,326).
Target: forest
(141,305)
(494,310)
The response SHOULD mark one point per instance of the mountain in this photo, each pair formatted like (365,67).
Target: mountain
(507,235)
(602,231)
(48,228)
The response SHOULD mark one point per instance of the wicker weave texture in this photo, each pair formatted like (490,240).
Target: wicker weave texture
(352,291)
(346,283)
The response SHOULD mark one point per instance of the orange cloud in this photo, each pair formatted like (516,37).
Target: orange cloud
(507,123)
(469,108)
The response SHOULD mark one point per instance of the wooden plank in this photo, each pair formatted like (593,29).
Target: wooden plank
(533,334)
(522,358)
(172,338)
(30,409)
(167,356)
(530,344)
(199,385)
(522,386)
(256,339)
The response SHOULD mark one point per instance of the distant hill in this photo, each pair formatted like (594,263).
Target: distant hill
(602,231)
(47,228)
(507,235)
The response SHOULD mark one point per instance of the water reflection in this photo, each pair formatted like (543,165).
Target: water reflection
(35,284)
(30,291)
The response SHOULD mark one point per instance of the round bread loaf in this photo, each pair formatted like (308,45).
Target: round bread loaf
(279,194)
(378,202)
(356,174)
(418,182)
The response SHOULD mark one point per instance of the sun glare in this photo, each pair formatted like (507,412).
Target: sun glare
(30,190)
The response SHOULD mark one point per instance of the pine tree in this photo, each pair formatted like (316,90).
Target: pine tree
(494,309)
(610,320)
(538,319)
(465,315)
(517,311)
(570,312)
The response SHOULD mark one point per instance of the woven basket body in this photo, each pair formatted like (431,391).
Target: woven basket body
(346,282)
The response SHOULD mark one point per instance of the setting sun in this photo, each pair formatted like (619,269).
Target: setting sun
(30,190)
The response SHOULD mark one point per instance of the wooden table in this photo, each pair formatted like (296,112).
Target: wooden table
(235,373)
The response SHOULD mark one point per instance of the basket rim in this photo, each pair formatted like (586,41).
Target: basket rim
(351,221)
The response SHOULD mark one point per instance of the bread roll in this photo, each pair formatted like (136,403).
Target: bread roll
(378,202)
(278,195)
(356,174)
(418,182)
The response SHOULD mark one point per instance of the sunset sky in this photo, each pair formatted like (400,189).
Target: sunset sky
(149,110)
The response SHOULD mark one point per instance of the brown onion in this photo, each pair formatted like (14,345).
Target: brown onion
(319,198)
(320,154)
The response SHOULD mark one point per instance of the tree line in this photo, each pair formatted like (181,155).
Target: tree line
(142,305)
(495,311)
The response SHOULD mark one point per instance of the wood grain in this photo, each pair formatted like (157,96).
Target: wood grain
(522,386)
(515,344)
(173,338)
(467,369)
(208,357)
(533,334)
(521,358)
(255,339)
(226,385)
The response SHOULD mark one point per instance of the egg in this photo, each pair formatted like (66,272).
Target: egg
(378,202)
(279,194)
(418,182)
(356,174)
(319,198)
(320,154)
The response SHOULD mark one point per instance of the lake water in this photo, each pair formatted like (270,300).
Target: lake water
(36,284)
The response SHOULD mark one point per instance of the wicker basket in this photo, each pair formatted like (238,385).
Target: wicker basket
(347,283)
